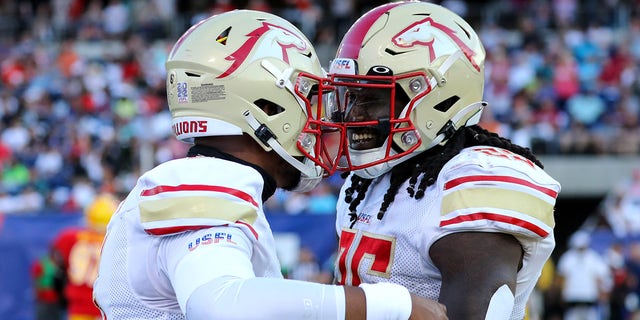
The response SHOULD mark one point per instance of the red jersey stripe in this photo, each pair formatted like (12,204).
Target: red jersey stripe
(173,230)
(178,229)
(255,233)
(200,187)
(496,217)
(458,181)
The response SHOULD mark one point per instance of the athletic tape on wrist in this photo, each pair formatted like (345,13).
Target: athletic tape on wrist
(387,301)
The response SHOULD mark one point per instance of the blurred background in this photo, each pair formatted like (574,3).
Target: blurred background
(83,112)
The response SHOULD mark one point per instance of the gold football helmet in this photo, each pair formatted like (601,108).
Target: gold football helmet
(225,69)
(408,75)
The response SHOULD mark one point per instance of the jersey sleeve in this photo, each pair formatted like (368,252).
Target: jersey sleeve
(494,190)
(212,274)
(197,193)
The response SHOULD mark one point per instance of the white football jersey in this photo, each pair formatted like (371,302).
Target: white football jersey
(482,189)
(175,209)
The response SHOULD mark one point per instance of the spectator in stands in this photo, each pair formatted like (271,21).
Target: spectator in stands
(622,221)
(548,122)
(586,106)
(578,139)
(565,77)
(622,207)
(625,135)
(586,279)
(622,284)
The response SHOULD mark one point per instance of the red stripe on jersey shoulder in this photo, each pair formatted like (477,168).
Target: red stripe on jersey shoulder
(200,187)
(458,181)
(496,217)
(178,229)
(173,230)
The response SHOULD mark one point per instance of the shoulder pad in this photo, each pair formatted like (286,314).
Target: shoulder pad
(180,197)
(492,189)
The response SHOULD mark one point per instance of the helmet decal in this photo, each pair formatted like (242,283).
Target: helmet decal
(424,32)
(269,33)
(222,38)
(351,42)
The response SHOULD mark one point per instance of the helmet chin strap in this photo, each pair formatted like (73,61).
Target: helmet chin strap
(311,174)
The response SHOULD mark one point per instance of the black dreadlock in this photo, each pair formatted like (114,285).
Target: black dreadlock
(428,164)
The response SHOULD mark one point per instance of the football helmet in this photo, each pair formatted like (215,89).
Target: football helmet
(225,69)
(408,75)
(99,211)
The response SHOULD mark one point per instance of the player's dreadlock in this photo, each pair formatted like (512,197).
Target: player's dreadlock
(428,164)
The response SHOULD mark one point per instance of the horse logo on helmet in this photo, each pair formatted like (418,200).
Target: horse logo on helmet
(425,32)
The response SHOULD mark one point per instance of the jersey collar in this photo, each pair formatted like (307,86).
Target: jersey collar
(269,183)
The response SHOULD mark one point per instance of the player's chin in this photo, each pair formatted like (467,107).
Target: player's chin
(290,178)
(292,182)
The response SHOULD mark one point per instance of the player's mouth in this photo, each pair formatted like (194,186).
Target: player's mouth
(364,138)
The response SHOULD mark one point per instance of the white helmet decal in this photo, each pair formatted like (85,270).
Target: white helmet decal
(424,33)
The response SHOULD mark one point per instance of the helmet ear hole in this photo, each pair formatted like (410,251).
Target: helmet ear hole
(192,74)
(446,104)
(268,107)
(465,30)
(401,95)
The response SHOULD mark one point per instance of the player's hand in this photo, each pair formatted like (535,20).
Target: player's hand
(425,309)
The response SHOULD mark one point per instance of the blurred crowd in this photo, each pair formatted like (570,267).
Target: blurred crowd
(82,98)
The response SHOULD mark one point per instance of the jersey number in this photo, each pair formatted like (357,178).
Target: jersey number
(354,248)
(83,263)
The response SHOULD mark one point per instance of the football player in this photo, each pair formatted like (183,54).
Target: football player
(433,201)
(76,251)
(191,240)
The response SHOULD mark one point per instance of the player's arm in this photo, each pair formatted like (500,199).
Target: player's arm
(218,281)
(475,267)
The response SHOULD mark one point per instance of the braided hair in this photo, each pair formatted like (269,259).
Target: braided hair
(428,165)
